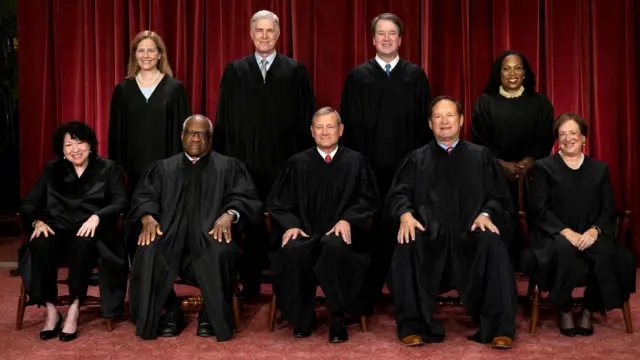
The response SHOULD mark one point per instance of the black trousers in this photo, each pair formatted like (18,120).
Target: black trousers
(49,253)
(327,261)
(485,282)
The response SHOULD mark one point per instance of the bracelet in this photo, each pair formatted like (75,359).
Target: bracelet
(597,229)
(33,224)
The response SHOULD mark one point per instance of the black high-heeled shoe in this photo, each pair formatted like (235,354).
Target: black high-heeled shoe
(50,334)
(582,330)
(571,332)
(68,337)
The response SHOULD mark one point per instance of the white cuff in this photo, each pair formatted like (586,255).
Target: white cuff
(237,214)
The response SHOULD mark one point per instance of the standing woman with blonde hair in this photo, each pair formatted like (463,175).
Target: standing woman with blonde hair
(147,109)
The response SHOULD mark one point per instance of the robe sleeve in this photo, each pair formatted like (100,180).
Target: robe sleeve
(116,145)
(180,111)
(282,200)
(223,112)
(498,204)
(117,195)
(350,109)
(540,203)
(606,220)
(146,198)
(544,138)
(365,201)
(242,195)
(400,197)
(34,204)
(482,131)
(424,103)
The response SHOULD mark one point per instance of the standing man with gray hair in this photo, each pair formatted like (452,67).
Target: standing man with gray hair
(264,112)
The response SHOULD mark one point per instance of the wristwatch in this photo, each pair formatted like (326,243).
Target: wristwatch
(597,229)
(485,214)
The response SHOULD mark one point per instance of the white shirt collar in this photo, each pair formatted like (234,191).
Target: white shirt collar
(332,154)
(382,63)
(190,158)
(269,58)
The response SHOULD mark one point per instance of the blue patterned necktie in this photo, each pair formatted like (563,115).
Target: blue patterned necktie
(387,68)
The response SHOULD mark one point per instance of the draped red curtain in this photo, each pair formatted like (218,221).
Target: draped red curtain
(584,53)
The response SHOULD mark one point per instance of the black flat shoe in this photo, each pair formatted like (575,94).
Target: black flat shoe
(68,337)
(569,331)
(338,334)
(205,328)
(50,334)
(583,330)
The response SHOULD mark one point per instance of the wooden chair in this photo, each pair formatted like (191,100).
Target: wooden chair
(319,300)
(64,299)
(622,229)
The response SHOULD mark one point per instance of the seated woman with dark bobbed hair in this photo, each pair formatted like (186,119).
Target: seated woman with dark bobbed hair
(573,227)
(72,212)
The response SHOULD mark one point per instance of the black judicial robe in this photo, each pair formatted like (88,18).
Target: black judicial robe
(446,193)
(514,128)
(65,201)
(577,199)
(312,195)
(142,131)
(264,122)
(385,118)
(182,201)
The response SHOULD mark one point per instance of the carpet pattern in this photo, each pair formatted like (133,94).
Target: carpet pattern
(255,342)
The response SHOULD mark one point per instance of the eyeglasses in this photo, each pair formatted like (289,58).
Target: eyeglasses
(201,134)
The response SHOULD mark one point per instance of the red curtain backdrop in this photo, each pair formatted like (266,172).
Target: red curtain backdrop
(584,53)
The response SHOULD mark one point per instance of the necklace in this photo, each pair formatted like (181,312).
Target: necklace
(148,81)
(509,95)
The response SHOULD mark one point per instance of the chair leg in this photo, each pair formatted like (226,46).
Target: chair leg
(109,325)
(21,304)
(363,323)
(236,312)
(626,311)
(535,303)
(272,313)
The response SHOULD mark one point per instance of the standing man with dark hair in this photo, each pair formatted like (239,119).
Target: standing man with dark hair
(385,110)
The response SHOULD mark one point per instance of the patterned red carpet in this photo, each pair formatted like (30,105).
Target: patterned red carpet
(255,342)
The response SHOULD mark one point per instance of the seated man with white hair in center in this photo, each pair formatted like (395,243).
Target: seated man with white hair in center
(189,207)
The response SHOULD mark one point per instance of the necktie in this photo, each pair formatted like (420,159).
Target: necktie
(387,68)
(449,149)
(263,69)
(327,158)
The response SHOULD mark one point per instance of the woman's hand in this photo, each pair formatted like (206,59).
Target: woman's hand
(40,228)
(88,229)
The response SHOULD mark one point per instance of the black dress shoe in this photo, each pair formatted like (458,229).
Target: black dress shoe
(338,333)
(299,333)
(205,328)
(68,337)
(172,322)
(50,334)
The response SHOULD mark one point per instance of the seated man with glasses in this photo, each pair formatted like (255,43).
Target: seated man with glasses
(187,207)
